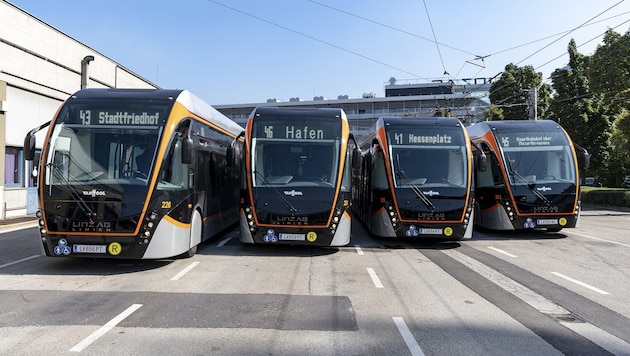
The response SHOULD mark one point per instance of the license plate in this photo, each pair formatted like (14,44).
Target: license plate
(292,237)
(430,231)
(547,221)
(89,248)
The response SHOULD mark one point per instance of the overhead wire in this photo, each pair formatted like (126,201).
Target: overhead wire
(434,37)
(557,39)
(437,43)
(313,38)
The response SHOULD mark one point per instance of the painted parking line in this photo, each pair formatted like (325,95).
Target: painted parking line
(19,261)
(411,342)
(184,271)
(580,283)
(501,251)
(223,242)
(104,329)
(545,306)
(375,279)
(598,239)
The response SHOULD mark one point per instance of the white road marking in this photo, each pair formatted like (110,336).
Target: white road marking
(601,337)
(597,238)
(223,242)
(19,261)
(580,283)
(358,249)
(501,251)
(375,279)
(184,271)
(104,329)
(411,342)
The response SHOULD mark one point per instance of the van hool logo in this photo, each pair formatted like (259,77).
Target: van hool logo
(293,192)
(92,226)
(94,193)
(431,193)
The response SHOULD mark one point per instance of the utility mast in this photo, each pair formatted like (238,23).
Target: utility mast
(532,100)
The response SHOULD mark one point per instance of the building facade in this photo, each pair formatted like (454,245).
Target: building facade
(465,99)
(40,67)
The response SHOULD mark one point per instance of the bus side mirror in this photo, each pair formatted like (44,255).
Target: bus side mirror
(230,154)
(356,158)
(482,162)
(586,159)
(583,156)
(29,147)
(187,150)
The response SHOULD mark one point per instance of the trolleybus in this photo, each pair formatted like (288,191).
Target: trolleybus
(134,173)
(532,176)
(415,179)
(297,181)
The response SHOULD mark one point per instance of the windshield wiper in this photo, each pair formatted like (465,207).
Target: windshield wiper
(423,197)
(531,187)
(288,204)
(73,191)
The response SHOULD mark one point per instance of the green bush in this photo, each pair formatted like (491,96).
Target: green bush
(606,196)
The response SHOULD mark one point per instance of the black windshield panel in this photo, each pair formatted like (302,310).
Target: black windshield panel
(537,157)
(429,157)
(296,153)
(104,143)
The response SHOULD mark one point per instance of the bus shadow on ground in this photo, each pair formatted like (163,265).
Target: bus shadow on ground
(536,234)
(265,250)
(65,266)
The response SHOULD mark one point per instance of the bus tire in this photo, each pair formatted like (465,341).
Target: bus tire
(190,253)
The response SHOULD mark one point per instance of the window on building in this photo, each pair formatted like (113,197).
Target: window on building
(13,168)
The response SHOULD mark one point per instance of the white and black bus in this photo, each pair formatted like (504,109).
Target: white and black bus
(134,173)
(415,179)
(296,185)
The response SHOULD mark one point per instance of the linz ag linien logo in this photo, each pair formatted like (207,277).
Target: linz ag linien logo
(543,189)
(94,193)
(293,192)
(91,226)
(292,220)
(431,193)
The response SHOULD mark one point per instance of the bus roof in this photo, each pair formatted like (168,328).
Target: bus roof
(193,103)
(481,128)
(313,112)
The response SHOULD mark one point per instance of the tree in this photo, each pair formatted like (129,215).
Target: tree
(609,70)
(609,75)
(581,113)
(509,93)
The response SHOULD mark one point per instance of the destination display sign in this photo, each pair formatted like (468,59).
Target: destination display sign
(424,136)
(122,117)
(302,129)
(532,139)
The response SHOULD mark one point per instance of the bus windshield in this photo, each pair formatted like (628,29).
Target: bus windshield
(428,159)
(101,142)
(537,157)
(285,153)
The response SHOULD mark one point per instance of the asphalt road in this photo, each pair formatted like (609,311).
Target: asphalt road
(521,293)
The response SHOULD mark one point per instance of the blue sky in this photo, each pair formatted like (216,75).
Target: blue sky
(243,51)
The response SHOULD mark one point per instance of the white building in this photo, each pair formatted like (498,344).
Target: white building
(40,67)
(465,99)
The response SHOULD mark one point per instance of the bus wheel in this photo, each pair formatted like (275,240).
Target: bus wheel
(190,253)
